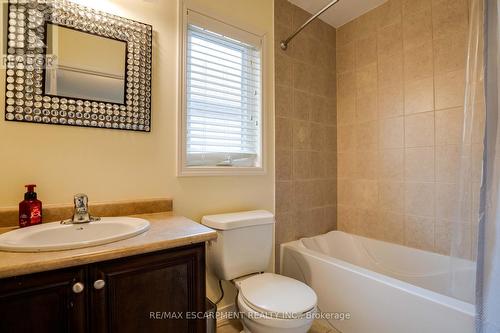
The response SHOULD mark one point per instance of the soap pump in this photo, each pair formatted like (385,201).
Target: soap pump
(30,209)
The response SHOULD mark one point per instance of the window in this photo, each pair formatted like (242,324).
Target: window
(222,98)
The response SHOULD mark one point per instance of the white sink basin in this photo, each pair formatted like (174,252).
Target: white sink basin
(55,236)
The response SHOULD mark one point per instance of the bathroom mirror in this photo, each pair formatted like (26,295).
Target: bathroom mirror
(72,65)
(78,72)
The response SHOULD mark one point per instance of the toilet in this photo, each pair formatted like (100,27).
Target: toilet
(268,302)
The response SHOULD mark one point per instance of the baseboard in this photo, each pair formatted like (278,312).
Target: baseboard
(223,314)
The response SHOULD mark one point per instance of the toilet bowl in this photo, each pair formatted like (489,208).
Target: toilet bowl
(271,303)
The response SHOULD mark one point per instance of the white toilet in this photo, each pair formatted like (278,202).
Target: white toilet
(270,303)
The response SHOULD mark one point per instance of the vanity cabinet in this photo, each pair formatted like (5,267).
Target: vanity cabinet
(155,292)
(43,303)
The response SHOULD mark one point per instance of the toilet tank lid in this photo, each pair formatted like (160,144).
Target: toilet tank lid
(238,220)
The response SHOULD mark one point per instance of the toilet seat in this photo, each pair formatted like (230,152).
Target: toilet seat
(277,296)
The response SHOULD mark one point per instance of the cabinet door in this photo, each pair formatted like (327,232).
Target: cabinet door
(149,293)
(44,302)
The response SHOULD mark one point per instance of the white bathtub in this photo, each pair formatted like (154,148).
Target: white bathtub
(386,288)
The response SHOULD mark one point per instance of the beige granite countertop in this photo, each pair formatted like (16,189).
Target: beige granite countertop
(167,231)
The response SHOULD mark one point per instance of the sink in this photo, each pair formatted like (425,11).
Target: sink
(55,236)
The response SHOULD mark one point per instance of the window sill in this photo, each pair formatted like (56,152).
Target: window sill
(220,171)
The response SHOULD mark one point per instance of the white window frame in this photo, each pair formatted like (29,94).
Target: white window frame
(191,15)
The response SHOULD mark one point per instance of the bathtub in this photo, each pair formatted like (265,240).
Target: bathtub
(382,287)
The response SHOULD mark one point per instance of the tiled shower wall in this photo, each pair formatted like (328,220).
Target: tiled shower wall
(400,78)
(306,137)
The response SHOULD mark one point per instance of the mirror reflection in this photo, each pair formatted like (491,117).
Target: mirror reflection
(85,66)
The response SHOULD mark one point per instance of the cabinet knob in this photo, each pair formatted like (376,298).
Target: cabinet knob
(99,284)
(78,287)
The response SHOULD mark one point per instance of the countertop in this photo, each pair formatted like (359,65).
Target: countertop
(167,231)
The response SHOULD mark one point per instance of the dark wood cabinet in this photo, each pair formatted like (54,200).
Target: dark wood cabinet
(156,292)
(44,302)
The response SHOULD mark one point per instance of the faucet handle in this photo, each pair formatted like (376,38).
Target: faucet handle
(81,201)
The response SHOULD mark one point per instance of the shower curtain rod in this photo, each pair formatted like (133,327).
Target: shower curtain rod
(284,43)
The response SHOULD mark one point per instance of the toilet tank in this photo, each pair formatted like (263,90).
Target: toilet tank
(244,243)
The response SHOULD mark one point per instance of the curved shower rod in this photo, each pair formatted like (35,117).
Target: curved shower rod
(284,43)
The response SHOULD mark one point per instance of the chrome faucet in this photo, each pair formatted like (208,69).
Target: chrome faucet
(81,211)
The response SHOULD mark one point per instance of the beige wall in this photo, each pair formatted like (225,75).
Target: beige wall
(305,126)
(400,76)
(114,165)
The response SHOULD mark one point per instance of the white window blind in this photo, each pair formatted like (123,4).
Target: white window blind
(223,100)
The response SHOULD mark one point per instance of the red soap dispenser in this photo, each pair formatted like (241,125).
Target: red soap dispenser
(30,209)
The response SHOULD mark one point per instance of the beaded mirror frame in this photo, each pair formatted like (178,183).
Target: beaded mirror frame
(27,59)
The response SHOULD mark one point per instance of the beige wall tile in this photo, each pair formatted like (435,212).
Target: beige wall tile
(366,165)
(366,50)
(391,196)
(453,204)
(330,142)
(449,16)
(366,105)
(346,83)
(345,58)
(450,89)
(417,29)
(345,33)
(368,219)
(390,70)
(346,109)
(449,126)
(414,135)
(303,78)
(345,165)
(418,62)
(283,12)
(391,133)
(365,193)
(366,77)
(318,137)
(284,197)
(450,52)
(318,165)
(302,49)
(390,40)
(283,69)
(366,24)
(461,235)
(302,192)
(302,105)
(344,192)
(413,6)
(283,133)
(347,219)
(306,120)
(389,13)
(450,168)
(283,164)
(419,199)
(419,232)
(301,165)
(419,164)
(419,130)
(392,227)
(391,164)
(345,138)
(419,96)
(331,162)
(367,136)
(283,101)
(301,135)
